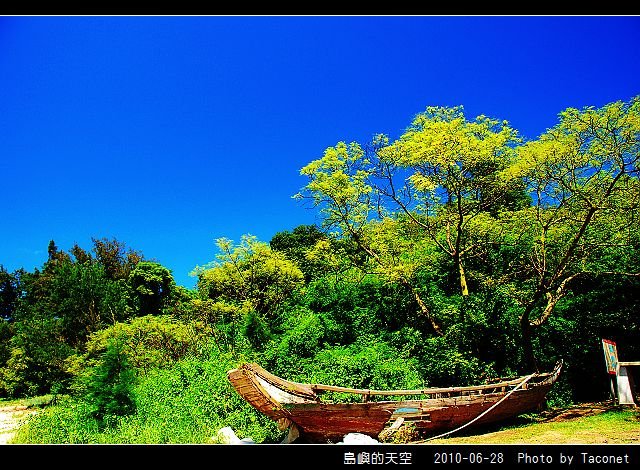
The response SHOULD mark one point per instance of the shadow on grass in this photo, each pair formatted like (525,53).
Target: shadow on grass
(546,415)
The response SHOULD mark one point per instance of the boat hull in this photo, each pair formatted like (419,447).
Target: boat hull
(322,423)
(299,405)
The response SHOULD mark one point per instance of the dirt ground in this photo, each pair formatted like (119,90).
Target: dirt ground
(577,411)
(11,418)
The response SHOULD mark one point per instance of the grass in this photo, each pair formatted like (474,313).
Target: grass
(615,425)
(185,403)
(33,402)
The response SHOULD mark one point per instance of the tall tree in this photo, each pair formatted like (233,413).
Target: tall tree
(339,184)
(152,285)
(9,294)
(445,174)
(583,175)
(117,259)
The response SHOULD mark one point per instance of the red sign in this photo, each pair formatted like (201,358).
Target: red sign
(610,356)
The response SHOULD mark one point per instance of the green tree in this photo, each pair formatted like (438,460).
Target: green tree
(453,181)
(151,341)
(81,256)
(79,295)
(53,312)
(242,291)
(117,259)
(250,275)
(152,285)
(109,389)
(433,193)
(9,294)
(583,175)
(297,246)
(339,185)
(37,355)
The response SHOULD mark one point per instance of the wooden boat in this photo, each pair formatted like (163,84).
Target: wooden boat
(299,406)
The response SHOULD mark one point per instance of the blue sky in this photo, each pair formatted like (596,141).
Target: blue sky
(169,132)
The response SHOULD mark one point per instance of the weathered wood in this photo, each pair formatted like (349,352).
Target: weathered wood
(423,391)
(294,388)
(298,405)
(292,435)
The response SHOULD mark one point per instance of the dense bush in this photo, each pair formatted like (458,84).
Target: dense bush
(185,403)
(368,363)
(109,387)
(36,359)
(150,341)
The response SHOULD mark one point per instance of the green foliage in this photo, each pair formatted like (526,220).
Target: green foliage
(109,387)
(85,300)
(561,394)
(149,341)
(350,309)
(8,294)
(186,403)
(298,244)
(152,285)
(67,422)
(6,333)
(336,302)
(445,365)
(79,294)
(369,363)
(197,398)
(36,359)
(117,260)
(250,275)
(256,330)
(304,334)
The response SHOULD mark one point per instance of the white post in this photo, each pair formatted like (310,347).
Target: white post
(625,386)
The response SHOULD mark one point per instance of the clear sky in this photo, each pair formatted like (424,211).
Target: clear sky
(169,132)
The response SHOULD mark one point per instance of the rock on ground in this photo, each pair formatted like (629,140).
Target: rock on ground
(357,438)
(227,436)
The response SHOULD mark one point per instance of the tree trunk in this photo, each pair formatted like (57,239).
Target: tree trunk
(527,345)
(463,278)
(424,309)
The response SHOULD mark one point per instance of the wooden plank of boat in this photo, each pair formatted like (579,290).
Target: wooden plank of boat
(425,391)
(299,404)
(249,388)
(330,422)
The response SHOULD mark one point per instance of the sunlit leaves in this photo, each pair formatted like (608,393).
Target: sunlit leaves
(249,275)
(446,153)
(338,184)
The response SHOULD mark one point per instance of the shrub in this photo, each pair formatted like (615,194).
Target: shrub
(109,385)
(256,330)
(369,363)
(36,359)
(150,341)
(187,402)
